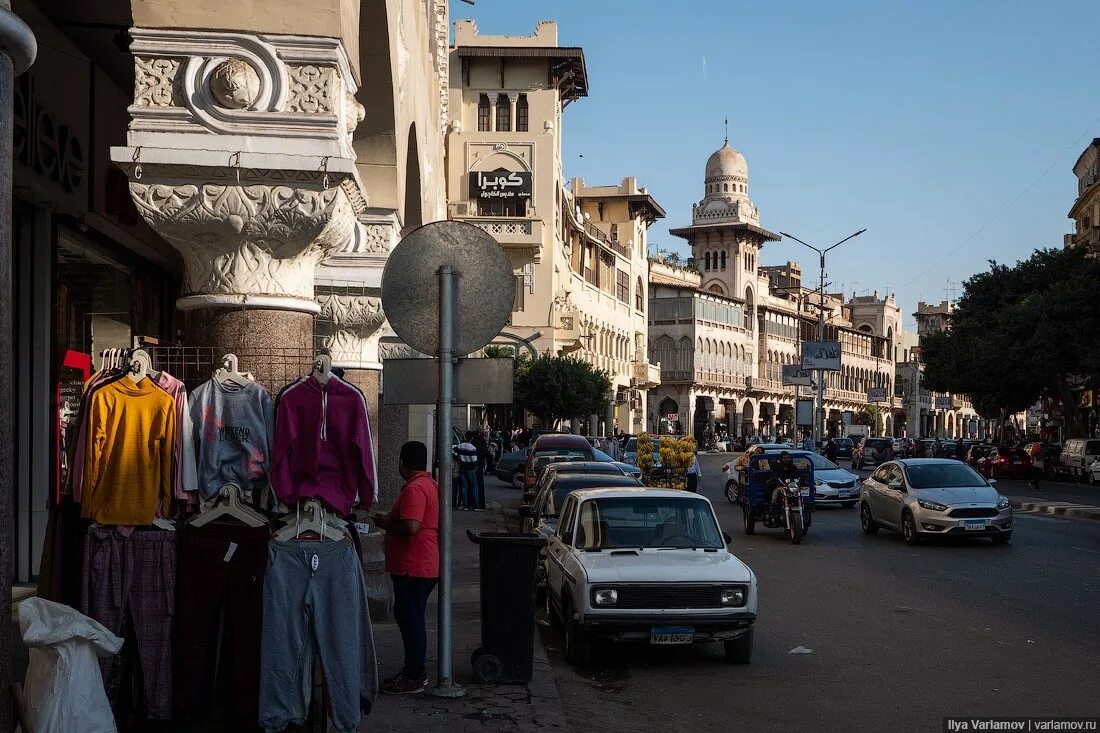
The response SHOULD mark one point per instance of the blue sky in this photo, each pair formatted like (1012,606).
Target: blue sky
(947,128)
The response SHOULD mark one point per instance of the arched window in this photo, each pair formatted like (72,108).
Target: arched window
(504,114)
(749,309)
(639,295)
(725,187)
(707,261)
(483,113)
(686,354)
(522,114)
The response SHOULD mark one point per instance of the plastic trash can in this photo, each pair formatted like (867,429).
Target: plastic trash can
(508,566)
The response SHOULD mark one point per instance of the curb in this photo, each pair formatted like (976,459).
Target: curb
(1078,511)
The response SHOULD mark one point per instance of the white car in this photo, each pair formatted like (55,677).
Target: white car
(1094,473)
(646,565)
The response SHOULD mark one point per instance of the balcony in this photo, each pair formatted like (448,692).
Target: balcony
(509,231)
(702,376)
(645,375)
(760,384)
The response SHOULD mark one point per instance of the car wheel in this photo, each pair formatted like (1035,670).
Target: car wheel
(750,521)
(909,529)
(866,521)
(847,504)
(739,650)
(578,647)
(1001,539)
(732,492)
(517,479)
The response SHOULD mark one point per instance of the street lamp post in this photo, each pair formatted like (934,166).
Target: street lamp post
(819,408)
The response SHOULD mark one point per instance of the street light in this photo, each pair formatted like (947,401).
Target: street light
(820,406)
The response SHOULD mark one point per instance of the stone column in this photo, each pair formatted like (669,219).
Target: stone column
(239,155)
(493,113)
(350,327)
(18,49)
(513,98)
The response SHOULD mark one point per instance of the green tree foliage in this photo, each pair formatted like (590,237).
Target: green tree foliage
(496,351)
(1019,332)
(560,388)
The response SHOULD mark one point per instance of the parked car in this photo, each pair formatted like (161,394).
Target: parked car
(978,452)
(900,447)
(933,497)
(647,565)
(1006,463)
(556,468)
(1078,455)
(541,516)
(872,452)
(554,447)
(844,447)
(630,451)
(1094,473)
(628,468)
(510,467)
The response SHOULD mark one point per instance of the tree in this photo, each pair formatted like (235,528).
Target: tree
(496,351)
(1019,332)
(560,388)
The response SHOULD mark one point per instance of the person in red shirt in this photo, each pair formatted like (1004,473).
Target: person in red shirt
(412,560)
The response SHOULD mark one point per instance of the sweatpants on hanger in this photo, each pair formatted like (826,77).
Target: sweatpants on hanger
(221,565)
(135,573)
(314,591)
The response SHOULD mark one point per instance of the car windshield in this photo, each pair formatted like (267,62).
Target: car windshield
(821,463)
(842,441)
(877,443)
(601,456)
(556,496)
(631,446)
(942,475)
(647,522)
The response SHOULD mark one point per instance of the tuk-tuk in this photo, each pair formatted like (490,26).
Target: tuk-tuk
(794,511)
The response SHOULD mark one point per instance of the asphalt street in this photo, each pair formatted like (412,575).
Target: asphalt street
(900,636)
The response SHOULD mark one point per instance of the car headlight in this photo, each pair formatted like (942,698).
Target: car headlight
(1002,502)
(794,490)
(932,505)
(605,597)
(818,482)
(733,596)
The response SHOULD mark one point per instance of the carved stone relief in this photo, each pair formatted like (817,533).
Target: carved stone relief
(312,89)
(350,327)
(250,239)
(234,84)
(157,82)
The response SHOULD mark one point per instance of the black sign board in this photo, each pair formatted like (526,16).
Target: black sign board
(500,185)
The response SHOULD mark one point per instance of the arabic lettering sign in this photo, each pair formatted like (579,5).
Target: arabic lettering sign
(821,355)
(795,375)
(876,394)
(945,403)
(500,185)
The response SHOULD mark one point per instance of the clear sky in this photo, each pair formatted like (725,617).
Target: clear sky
(947,128)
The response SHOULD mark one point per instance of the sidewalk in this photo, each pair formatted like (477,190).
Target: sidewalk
(506,708)
(1060,498)
(1059,508)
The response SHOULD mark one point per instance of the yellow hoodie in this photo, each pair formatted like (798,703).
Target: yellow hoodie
(128,459)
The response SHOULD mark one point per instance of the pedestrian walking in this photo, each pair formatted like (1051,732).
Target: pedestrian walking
(412,562)
(830,450)
(466,455)
(482,447)
(694,473)
(960,451)
(808,443)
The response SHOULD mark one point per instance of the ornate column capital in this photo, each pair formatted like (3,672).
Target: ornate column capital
(350,326)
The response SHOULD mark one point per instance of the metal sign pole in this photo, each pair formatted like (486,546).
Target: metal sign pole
(445,685)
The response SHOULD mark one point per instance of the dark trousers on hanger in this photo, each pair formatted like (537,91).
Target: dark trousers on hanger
(221,565)
(135,574)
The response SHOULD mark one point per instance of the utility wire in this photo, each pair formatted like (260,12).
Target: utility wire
(995,217)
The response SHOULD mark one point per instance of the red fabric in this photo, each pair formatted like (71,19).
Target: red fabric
(418,555)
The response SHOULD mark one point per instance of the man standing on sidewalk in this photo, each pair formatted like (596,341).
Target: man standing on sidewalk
(412,560)
(466,455)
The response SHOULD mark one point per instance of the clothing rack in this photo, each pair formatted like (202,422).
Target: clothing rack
(193,365)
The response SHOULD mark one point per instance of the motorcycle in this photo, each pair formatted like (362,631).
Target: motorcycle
(796,498)
(790,515)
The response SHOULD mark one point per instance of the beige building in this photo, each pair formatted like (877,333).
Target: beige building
(578,252)
(723,333)
(1086,208)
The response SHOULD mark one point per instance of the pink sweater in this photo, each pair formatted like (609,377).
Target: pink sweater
(323,445)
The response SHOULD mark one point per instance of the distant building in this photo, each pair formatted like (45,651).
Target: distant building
(1086,208)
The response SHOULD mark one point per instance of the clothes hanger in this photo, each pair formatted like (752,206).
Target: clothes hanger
(164,524)
(229,504)
(229,373)
(322,368)
(315,522)
(140,365)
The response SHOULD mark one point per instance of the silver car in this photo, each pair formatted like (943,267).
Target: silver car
(934,497)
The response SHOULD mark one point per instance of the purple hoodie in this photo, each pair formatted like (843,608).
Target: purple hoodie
(323,445)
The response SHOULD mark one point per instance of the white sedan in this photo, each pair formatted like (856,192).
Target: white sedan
(647,565)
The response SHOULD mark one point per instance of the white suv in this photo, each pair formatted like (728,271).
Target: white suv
(646,565)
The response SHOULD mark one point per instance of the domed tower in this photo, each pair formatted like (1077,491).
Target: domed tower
(725,233)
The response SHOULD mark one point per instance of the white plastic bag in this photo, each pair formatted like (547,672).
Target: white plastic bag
(64,686)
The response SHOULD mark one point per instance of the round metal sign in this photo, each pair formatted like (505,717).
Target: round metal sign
(484,285)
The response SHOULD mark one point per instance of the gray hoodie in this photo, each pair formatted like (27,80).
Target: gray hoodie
(233,431)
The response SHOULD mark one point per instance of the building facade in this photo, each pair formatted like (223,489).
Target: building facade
(723,332)
(578,252)
(1085,211)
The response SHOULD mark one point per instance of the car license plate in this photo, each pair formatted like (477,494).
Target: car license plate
(1015,460)
(845,494)
(975,524)
(671,635)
